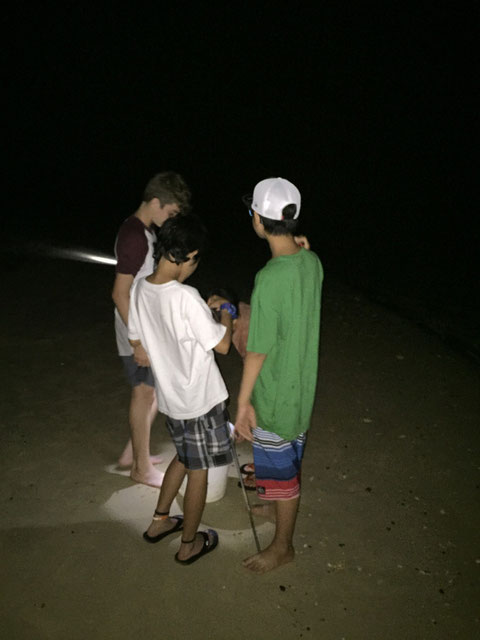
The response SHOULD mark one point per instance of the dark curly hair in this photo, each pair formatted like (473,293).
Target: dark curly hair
(179,236)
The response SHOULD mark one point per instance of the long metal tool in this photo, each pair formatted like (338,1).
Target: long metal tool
(250,515)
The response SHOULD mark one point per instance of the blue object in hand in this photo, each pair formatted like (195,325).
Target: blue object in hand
(231,308)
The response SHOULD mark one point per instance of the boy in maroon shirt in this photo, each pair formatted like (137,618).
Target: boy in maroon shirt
(165,195)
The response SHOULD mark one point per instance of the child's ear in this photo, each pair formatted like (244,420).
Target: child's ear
(192,254)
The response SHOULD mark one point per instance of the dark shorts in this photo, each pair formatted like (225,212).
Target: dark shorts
(205,441)
(137,375)
(278,465)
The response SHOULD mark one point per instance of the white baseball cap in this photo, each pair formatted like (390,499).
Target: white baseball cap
(272,195)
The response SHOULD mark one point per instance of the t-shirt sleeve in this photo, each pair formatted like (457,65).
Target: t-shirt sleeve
(207,331)
(131,249)
(263,329)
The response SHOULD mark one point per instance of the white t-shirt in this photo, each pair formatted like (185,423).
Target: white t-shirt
(177,329)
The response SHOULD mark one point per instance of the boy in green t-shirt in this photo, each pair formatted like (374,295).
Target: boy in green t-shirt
(280,370)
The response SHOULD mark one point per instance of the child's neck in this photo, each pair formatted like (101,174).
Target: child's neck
(157,278)
(144,214)
(165,272)
(282,245)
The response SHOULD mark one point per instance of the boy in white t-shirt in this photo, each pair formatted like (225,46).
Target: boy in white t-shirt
(179,334)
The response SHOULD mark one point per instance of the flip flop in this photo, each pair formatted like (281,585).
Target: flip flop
(248,479)
(207,547)
(247,487)
(248,469)
(177,527)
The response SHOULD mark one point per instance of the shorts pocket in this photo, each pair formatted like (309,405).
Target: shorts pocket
(218,439)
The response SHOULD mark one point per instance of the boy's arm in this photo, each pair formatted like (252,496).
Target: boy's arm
(215,302)
(139,354)
(245,419)
(119,289)
(224,345)
(121,294)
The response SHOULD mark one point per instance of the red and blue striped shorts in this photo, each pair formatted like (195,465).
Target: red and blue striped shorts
(277,465)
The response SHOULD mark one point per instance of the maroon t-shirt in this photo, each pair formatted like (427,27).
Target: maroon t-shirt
(131,246)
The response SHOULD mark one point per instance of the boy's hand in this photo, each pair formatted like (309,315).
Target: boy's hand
(302,241)
(140,356)
(214,302)
(246,420)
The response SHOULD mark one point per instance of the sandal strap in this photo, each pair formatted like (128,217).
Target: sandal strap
(188,541)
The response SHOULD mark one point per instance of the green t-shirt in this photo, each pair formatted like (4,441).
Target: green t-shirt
(285,324)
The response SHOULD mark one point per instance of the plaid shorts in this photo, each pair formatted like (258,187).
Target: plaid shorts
(277,465)
(205,441)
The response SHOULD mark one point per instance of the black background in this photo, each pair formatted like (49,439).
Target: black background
(368,108)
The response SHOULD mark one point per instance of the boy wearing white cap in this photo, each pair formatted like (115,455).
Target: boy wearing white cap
(280,370)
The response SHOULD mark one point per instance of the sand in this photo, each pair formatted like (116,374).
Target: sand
(387,542)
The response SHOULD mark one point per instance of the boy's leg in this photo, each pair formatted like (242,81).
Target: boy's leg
(172,481)
(193,439)
(126,457)
(277,468)
(193,505)
(266,510)
(280,551)
(208,444)
(143,409)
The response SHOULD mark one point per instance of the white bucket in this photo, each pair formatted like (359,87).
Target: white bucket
(217,483)
(217,480)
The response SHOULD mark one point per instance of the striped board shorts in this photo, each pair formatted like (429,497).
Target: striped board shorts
(205,441)
(277,465)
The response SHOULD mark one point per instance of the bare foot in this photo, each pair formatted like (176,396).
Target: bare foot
(125,463)
(264,511)
(126,459)
(271,558)
(152,477)
(192,548)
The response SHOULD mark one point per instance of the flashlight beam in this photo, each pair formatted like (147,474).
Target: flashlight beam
(78,255)
(84,256)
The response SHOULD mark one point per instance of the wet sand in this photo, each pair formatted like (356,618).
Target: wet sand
(387,535)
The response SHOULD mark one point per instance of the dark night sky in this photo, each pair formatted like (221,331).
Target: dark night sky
(369,111)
